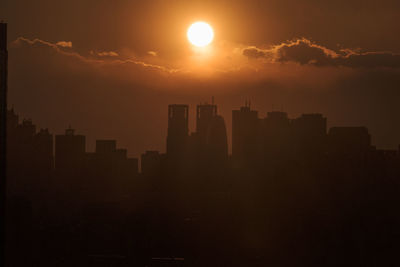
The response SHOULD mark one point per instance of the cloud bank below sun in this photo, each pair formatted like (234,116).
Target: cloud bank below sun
(244,62)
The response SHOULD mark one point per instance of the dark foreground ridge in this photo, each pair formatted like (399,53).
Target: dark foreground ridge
(293,193)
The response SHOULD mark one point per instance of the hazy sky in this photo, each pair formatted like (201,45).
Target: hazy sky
(110,68)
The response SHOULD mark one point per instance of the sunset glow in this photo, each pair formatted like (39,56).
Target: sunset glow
(199,133)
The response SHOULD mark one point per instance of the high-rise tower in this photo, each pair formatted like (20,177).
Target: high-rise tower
(3,130)
(205,114)
(178,130)
(245,131)
(211,133)
(310,135)
(277,136)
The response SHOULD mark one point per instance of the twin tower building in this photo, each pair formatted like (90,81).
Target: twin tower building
(209,141)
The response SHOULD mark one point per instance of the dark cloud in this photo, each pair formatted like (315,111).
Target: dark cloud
(306,52)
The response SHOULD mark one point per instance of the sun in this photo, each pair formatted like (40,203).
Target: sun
(200,34)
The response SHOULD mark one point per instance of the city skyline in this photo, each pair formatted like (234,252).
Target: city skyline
(289,181)
(118,70)
(246,109)
(199,133)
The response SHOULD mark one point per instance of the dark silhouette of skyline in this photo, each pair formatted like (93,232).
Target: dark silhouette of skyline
(287,181)
(253,138)
(292,193)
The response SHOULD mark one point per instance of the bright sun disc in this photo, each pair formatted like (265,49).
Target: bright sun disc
(200,34)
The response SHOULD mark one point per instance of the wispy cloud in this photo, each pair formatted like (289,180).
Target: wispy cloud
(103,57)
(64,44)
(152,53)
(105,53)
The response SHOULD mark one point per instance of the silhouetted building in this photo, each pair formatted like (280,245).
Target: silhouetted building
(69,150)
(349,140)
(3,36)
(22,143)
(245,132)
(310,132)
(121,154)
(108,156)
(216,140)
(113,170)
(21,155)
(3,101)
(178,130)
(127,167)
(30,158)
(106,147)
(43,150)
(277,136)
(210,134)
(12,126)
(205,115)
(151,163)
(132,167)
(26,131)
(12,120)
(3,132)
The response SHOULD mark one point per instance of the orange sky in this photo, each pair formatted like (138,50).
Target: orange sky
(110,68)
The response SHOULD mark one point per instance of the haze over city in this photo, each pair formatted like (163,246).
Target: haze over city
(120,63)
(199,133)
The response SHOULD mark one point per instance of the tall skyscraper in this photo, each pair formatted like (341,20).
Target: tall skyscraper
(245,131)
(3,129)
(310,131)
(205,114)
(3,96)
(278,136)
(217,140)
(178,130)
(211,133)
